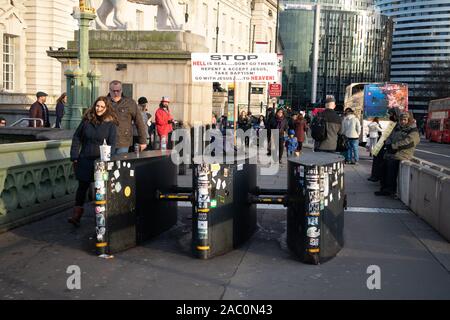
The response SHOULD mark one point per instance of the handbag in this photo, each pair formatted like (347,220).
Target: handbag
(341,143)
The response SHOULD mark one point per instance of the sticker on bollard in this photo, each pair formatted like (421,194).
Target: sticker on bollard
(315,219)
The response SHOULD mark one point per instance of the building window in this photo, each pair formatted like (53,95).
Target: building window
(140,19)
(8,62)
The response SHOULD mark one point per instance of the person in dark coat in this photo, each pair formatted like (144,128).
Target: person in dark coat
(301,126)
(378,160)
(399,146)
(39,110)
(99,123)
(334,126)
(60,104)
(279,122)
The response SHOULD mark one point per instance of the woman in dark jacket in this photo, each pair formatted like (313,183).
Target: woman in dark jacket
(99,123)
(60,104)
(279,123)
(300,130)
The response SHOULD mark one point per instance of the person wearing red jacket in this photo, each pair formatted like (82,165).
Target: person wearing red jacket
(164,121)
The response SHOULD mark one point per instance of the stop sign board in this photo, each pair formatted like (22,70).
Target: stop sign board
(275,89)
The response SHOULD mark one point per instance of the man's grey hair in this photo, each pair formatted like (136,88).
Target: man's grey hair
(115,83)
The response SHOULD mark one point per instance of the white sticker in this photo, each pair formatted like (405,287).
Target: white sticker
(313,186)
(219,183)
(124,164)
(240,167)
(118,164)
(339,195)
(203,224)
(101,222)
(100,231)
(131,173)
(110,165)
(213,181)
(98,176)
(331,197)
(203,198)
(214,173)
(326,202)
(118,187)
(326,186)
(117,174)
(224,184)
(128,165)
(99,184)
(313,232)
(313,221)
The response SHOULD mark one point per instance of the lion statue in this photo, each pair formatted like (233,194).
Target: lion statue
(168,11)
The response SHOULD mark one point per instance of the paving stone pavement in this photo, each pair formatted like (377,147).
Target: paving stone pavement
(414,260)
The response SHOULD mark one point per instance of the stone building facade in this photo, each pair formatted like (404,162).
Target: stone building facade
(29,28)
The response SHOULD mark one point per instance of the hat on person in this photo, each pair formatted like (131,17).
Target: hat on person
(41,94)
(349,110)
(165,99)
(142,100)
(330,99)
(291,132)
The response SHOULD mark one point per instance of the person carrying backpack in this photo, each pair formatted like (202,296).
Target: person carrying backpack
(325,128)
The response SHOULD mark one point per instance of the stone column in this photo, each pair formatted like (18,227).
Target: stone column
(94,79)
(77,102)
(70,97)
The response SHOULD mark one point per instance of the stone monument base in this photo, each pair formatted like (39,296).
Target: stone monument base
(151,64)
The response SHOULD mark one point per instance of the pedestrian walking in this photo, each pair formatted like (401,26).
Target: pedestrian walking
(291,143)
(300,127)
(279,122)
(60,105)
(325,127)
(99,123)
(164,123)
(127,113)
(351,129)
(142,107)
(39,110)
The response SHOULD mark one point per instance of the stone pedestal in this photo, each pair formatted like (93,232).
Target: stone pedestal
(151,64)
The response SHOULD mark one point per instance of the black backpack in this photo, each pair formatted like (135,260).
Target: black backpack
(319,128)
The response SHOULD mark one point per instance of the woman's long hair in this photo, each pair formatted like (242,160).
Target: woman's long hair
(109,115)
(61,98)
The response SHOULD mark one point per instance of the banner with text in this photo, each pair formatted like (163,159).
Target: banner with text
(248,67)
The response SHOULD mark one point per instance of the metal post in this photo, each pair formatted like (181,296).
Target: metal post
(315,62)
(217,29)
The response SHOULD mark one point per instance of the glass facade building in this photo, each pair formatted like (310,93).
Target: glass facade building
(421,37)
(329,44)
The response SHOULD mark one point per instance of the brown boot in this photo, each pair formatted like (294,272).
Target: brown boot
(76,216)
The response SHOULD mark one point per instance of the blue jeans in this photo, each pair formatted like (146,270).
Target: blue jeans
(353,150)
(122,150)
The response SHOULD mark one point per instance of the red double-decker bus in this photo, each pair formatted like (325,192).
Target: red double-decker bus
(438,121)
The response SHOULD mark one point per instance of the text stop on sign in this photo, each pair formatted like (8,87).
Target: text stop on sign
(275,89)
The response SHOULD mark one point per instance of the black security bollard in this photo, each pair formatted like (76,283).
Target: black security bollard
(315,221)
(223,218)
(127,209)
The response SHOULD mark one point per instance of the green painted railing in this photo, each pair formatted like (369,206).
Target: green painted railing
(36,180)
